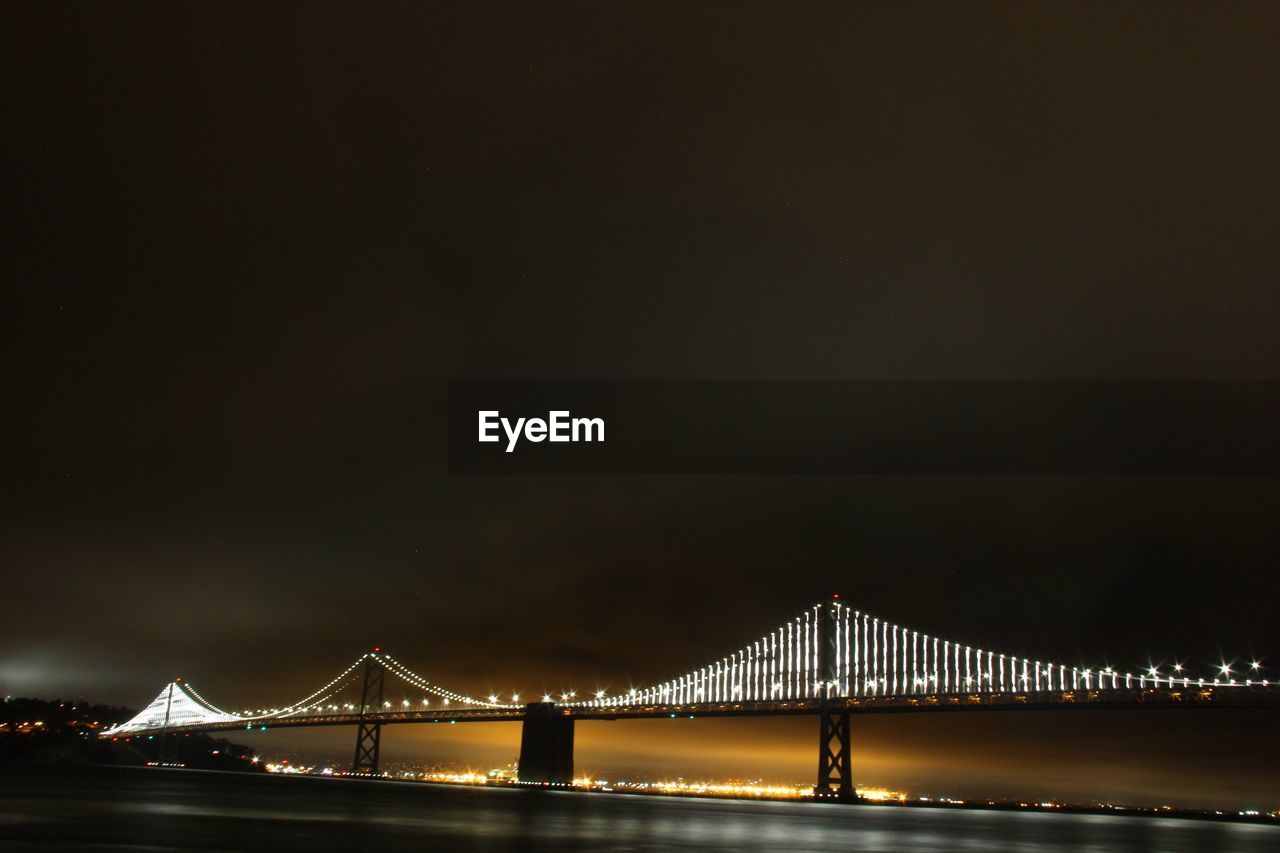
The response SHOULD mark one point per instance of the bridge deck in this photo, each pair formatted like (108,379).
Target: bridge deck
(1108,699)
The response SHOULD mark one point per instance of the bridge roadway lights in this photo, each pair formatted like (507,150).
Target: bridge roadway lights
(369,735)
(546,745)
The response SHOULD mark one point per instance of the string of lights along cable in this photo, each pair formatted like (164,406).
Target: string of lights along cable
(830,651)
(878,658)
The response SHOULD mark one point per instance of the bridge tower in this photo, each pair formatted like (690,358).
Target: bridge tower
(167,745)
(835,765)
(546,745)
(369,734)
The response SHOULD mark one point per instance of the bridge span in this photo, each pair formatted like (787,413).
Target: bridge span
(832,662)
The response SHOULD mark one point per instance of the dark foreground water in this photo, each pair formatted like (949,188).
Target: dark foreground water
(150,809)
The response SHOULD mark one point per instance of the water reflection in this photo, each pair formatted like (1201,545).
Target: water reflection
(97,808)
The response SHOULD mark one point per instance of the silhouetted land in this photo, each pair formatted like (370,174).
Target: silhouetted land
(39,731)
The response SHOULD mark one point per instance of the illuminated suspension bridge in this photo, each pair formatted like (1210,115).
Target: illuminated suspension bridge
(831,661)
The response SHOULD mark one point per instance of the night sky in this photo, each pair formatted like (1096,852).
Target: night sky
(252,245)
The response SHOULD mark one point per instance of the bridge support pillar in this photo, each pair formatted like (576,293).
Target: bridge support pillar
(369,733)
(546,745)
(835,777)
(167,748)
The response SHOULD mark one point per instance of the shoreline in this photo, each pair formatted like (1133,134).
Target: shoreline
(1267,819)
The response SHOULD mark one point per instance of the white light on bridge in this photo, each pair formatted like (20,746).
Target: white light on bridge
(872,657)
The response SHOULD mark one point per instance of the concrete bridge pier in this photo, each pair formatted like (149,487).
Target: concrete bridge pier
(546,745)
